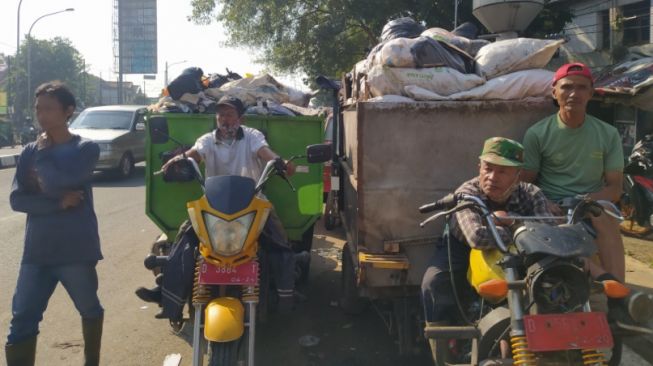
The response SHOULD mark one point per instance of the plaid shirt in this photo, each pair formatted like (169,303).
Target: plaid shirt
(468,225)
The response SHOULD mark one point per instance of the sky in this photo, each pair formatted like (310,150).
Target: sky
(89,28)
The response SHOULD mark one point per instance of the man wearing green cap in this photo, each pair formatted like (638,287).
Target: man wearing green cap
(499,186)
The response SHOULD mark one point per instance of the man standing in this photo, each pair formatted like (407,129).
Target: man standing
(52,186)
(572,153)
(498,185)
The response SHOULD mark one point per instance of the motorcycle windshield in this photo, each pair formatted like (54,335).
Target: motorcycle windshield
(229,194)
(563,241)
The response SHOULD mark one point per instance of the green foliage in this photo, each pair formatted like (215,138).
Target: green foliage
(551,20)
(55,59)
(326,36)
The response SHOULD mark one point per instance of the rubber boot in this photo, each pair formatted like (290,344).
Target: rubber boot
(439,347)
(92,331)
(21,353)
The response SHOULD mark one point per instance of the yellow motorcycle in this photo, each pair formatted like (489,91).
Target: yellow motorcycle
(228,220)
(534,294)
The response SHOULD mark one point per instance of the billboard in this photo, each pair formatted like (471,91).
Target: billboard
(137,34)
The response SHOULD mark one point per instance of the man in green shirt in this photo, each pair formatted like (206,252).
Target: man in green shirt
(572,153)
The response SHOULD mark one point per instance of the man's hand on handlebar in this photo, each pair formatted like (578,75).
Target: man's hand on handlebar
(555,209)
(498,222)
(290,168)
(172,160)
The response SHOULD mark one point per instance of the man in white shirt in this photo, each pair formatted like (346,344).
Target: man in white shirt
(234,149)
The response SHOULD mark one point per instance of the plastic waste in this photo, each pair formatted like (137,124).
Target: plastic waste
(401,28)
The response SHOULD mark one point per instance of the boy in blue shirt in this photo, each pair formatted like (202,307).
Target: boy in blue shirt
(52,186)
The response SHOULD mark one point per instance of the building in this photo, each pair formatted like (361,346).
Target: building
(108,92)
(604,25)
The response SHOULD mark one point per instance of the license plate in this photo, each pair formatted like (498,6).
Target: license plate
(555,332)
(244,274)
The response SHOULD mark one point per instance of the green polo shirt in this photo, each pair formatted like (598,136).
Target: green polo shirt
(572,161)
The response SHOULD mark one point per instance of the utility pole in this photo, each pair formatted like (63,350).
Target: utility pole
(120,54)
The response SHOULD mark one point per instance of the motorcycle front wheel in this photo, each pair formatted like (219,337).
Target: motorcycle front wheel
(232,353)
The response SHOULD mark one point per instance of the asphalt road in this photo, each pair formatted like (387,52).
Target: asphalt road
(133,337)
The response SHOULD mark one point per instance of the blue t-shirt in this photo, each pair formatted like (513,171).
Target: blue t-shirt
(53,235)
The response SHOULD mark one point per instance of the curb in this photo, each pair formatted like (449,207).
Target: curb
(8,161)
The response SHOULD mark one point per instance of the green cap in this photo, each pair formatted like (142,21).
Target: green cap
(503,151)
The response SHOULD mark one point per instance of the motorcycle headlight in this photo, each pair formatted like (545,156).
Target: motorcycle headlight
(228,237)
(559,288)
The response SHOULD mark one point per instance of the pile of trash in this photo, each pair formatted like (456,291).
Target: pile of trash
(193,92)
(435,64)
(629,82)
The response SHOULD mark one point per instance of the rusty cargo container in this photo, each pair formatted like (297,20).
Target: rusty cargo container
(395,157)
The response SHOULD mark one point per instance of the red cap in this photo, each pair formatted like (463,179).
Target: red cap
(572,69)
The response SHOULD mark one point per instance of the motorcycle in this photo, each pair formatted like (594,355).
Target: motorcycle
(637,200)
(231,273)
(533,303)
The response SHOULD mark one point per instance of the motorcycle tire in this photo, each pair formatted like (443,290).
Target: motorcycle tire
(232,353)
(305,246)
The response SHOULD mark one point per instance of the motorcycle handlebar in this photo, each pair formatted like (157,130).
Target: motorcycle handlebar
(445,203)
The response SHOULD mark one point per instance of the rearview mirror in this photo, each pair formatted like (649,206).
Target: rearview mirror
(158,126)
(318,153)
(140,126)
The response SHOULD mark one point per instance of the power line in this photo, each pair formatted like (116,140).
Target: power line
(645,8)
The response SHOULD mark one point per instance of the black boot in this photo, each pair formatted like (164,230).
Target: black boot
(147,295)
(92,331)
(21,353)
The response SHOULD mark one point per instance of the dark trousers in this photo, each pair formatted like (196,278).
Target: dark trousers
(178,273)
(438,297)
(35,286)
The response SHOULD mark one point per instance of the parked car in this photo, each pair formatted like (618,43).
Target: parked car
(119,130)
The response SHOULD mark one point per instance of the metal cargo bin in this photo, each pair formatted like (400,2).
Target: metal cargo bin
(287,136)
(402,155)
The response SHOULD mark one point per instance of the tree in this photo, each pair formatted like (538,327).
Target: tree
(53,59)
(322,36)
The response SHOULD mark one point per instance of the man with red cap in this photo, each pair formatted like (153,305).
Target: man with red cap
(572,153)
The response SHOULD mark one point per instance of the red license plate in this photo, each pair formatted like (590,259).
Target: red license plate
(244,274)
(555,332)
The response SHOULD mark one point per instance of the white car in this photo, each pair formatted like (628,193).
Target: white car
(119,130)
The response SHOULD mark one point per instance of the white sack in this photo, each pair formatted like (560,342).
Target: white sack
(396,53)
(513,86)
(504,57)
(441,80)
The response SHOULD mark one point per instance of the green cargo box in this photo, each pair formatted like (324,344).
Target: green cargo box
(287,136)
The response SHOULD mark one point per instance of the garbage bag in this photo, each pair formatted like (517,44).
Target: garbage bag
(504,57)
(401,28)
(262,87)
(468,30)
(383,80)
(423,52)
(217,80)
(444,35)
(514,86)
(470,46)
(190,81)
